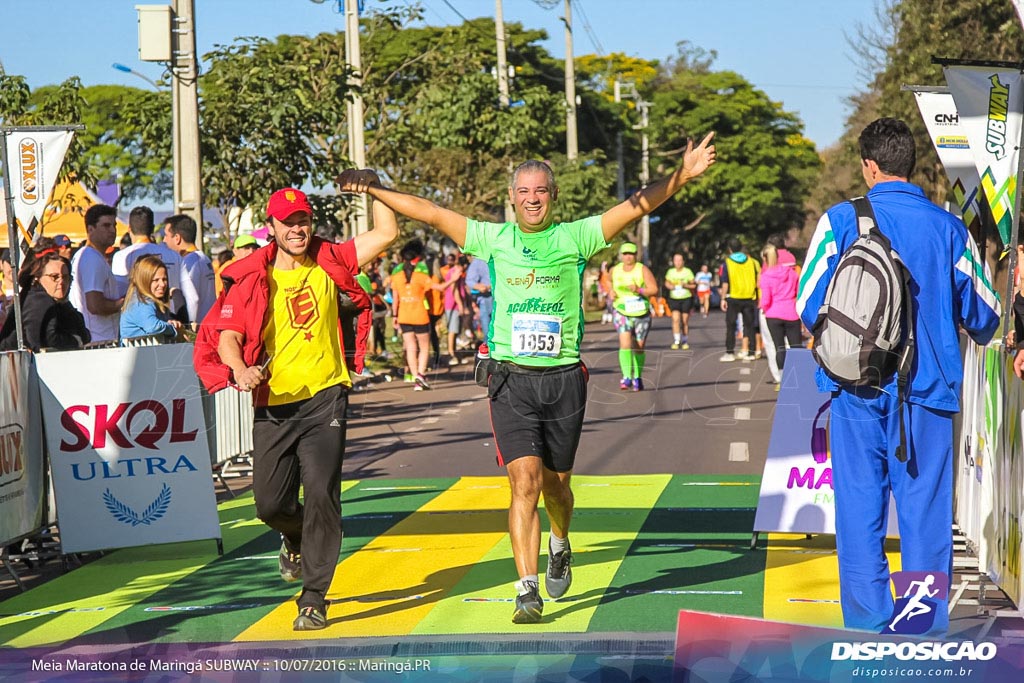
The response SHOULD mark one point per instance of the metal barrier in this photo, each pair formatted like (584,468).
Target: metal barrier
(229,418)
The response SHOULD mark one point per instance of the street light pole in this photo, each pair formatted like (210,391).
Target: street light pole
(129,70)
(356,124)
(188,186)
(571,142)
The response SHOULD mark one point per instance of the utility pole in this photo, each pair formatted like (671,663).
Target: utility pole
(188,185)
(356,125)
(571,142)
(645,158)
(503,96)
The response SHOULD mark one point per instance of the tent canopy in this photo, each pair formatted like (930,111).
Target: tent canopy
(65,214)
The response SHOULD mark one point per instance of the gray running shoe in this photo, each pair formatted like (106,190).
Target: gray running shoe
(559,575)
(529,605)
(289,563)
(310,619)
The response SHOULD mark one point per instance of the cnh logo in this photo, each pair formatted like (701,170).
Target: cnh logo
(144,423)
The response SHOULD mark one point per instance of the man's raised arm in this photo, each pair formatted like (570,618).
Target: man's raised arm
(696,160)
(372,242)
(451,224)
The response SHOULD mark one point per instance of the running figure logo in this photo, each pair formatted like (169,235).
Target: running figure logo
(914,612)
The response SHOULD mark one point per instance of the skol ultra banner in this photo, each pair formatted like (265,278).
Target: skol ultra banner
(990,101)
(35,157)
(128,450)
(943,123)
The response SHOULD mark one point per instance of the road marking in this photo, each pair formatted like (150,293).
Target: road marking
(427,421)
(465,403)
(744,386)
(667,592)
(741,413)
(450,411)
(739,451)
(744,371)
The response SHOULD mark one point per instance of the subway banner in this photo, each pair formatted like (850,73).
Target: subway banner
(35,156)
(796,489)
(990,101)
(943,123)
(22,487)
(128,449)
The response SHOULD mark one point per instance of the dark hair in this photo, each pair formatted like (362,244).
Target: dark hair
(35,263)
(534,165)
(183,226)
(733,245)
(126,240)
(140,221)
(411,250)
(890,144)
(464,261)
(225,256)
(97,211)
(777,240)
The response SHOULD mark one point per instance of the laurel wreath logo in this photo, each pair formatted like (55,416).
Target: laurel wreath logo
(123,513)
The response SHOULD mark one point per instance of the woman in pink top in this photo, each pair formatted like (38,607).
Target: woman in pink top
(778,285)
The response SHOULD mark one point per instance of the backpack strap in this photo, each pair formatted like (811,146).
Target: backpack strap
(867,226)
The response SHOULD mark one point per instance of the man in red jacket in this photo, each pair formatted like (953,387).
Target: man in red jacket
(279,337)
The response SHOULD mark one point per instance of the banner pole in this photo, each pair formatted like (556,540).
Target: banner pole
(12,238)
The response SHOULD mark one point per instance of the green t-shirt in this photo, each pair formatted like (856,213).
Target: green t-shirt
(675,278)
(537,279)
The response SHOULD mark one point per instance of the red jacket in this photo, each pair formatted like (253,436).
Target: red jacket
(242,307)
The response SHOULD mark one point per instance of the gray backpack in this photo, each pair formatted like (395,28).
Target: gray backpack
(865,329)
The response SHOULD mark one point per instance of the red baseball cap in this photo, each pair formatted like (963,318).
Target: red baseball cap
(284,203)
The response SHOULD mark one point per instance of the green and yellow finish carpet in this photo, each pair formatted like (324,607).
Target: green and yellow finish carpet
(432,557)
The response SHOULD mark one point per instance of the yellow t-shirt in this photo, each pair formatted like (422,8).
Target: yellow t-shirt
(301,336)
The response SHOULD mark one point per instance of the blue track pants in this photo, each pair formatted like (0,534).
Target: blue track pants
(864,434)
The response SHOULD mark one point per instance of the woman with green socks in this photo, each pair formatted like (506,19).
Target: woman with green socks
(632,284)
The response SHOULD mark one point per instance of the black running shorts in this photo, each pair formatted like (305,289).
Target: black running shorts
(681,305)
(538,412)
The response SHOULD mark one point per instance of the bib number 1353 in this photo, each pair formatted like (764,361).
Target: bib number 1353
(536,335)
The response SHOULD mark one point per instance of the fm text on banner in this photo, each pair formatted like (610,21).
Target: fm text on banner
(22,486)
(796,488)
(128,450)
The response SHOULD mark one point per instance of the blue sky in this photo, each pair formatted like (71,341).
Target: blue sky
(795,50)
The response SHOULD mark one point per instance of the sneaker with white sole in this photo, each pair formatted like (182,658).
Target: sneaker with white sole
(727,357)
(529,604)
(558,577)
(422,383)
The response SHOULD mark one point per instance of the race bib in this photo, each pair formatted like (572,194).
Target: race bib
(679,292)
(536,335)
(635,305)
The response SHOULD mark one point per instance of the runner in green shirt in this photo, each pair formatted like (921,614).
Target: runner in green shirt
(680,283)
(537,388)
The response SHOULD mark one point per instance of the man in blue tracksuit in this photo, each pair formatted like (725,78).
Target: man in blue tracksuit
(950,289)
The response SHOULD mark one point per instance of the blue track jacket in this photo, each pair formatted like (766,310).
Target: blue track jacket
(950,285)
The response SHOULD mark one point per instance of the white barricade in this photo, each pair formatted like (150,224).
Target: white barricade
(125,433)
(990,465)
(22,484)
(796,488)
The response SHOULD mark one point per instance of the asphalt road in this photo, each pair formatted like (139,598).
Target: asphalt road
(696,416)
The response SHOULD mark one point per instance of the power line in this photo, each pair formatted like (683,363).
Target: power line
(588,28)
